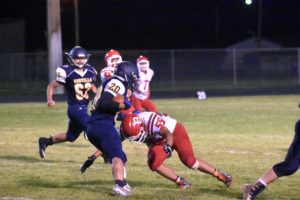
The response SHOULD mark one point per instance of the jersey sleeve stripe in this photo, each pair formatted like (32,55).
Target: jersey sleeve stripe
(149,122)
(152,123)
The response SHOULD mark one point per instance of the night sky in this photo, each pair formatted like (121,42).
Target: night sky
(158,24)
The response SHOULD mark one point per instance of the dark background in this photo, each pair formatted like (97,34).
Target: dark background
(158,24)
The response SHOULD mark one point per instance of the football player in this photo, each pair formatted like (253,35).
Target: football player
(112,58)
(98,153)
(101,130)
(78,79)
(140,99)
(287,167)
(163,134)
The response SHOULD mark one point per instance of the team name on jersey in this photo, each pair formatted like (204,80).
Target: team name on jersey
(83,80)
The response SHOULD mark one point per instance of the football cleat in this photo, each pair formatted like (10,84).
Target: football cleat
(42,146)
(127,187)
(122,191)
(251,190)
(224,177)
(87,163)
(182,183)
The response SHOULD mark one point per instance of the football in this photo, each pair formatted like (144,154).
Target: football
(118,99)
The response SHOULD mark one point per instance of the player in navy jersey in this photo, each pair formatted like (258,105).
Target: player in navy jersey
(101,130)
(78,79)
(287,167)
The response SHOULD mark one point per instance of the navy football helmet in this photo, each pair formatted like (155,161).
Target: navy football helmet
(78,53)
(129,72)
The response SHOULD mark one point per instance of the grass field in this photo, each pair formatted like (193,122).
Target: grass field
(240,135)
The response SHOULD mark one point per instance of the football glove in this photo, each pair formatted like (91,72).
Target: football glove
(168,149)
(88,163)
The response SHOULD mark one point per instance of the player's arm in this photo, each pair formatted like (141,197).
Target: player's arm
(106,103)
(50,88)
(94,88)
(165,133)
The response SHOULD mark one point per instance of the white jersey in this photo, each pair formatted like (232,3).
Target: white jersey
(143,84)
(153,123)
(106,73)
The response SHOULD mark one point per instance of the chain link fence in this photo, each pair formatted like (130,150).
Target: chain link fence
(175,70)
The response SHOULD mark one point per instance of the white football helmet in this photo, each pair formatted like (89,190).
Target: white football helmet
(113,58)
(142,63)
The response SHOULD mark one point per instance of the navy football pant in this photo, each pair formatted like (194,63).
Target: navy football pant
(78,120)
(291,162)
(103,135)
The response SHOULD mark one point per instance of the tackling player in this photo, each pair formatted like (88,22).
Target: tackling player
(101,130)
(287,167)
(141,95)
(163,134)
(78,78)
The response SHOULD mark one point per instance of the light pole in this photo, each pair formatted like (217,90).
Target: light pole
(76,22)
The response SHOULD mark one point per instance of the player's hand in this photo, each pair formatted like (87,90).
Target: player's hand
(168,149)
(87,163)
(107,75)
(51,103)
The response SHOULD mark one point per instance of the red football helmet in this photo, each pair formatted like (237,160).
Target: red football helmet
(113,58)
(132,127)
(142,63)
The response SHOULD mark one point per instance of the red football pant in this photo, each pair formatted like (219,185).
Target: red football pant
(146,104)
(181,144)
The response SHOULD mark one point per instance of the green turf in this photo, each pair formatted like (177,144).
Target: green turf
(239,135)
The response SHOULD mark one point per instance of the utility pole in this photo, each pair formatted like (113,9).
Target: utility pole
(76,22)
(54,40)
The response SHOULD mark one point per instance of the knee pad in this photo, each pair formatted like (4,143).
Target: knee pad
(285,169)
(196,165)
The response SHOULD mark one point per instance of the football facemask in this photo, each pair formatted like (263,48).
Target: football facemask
(113,58)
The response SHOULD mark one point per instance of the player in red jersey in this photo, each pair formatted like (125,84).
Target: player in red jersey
(112,58)
(140,99)
(163,134)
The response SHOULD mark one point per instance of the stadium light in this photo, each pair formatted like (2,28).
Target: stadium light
(248,2)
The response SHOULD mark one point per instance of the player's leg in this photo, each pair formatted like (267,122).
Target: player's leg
(103,135)
(78,119)
(137,103)
(168,173)
(92,158)
(183,146)
(148,105)
(156,157)
(288,167)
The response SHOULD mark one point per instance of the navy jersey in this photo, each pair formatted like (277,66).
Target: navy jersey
(76,82)
(114,86)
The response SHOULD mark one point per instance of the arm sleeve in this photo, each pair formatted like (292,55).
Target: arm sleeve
(61,75)
(105,103)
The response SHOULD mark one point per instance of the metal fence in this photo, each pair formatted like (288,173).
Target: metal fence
(175,70)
